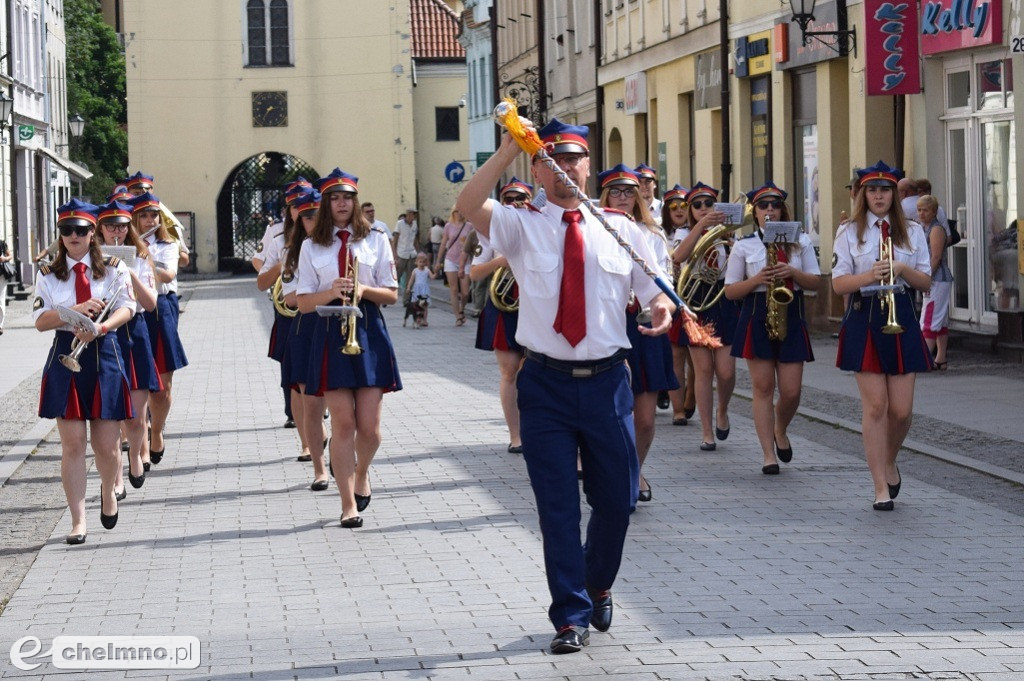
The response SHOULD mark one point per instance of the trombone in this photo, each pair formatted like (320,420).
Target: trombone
(70,360)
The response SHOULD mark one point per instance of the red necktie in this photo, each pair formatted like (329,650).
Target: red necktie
(571,319)
(884,226)
(343,254)
(83,290)
(783,256)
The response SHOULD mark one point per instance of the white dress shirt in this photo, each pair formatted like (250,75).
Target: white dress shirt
(318,265)
(853,257)
(165,256)
(266,243)
(749,256)
(680,235)
(533,241)
(51,292)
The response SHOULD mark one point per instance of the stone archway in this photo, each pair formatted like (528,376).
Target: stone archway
(614,148)
(251,198)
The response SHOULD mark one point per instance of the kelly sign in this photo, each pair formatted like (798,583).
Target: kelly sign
(955,24)
(893,66)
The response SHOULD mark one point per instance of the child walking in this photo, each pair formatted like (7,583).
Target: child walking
(419,287)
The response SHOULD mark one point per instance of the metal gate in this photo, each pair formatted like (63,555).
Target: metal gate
(251,200)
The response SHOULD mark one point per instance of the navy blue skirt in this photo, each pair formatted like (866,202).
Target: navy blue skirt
(751,340)
(279,337)
(99,391)
(650,359)
(133,341)
(162,323)
(496,330)
(295,366)
(863,346)
(330,369)
(722,318)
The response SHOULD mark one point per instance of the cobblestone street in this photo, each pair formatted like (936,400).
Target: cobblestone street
(727,573)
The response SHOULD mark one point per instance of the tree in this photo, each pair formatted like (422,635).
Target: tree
(96,90)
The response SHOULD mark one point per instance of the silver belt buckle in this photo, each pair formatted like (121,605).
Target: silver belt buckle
(583,372)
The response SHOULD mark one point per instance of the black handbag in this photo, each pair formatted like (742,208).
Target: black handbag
(6,267)
(954,234)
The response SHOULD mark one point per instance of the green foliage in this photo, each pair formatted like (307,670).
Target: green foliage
(96,90)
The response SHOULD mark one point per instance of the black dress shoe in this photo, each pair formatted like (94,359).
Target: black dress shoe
(290,423)
(644,495)
(708,446)
(515,449)
(688,413)
(770,469)
(362,501)
(785,455)
(304,458)
(319,485)
(680,421)
(122,495)
(108,521)
(125,446)
(137,482)
(663,401)
(570,640)
(883,505)
(601,617)
(894,490)
(155,456)
(352,523)
(145,467)
(722,433)
(75,539)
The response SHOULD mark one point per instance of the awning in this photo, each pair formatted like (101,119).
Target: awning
(70,166)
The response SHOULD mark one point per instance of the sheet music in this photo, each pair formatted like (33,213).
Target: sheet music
(77,319)
(125,253)
(781,232)
(733,212)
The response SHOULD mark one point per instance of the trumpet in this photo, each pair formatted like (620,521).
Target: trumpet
(697,283)
(70,360)
(778,299)
(348,323)
(888,288)
(502,290)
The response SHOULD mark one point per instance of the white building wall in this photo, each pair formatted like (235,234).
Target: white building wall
(480,85)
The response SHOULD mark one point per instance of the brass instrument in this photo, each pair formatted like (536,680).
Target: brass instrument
(697,281)
(502,290)
(778,298)
(70,360)
(277,295)
(888,287)
(349,322)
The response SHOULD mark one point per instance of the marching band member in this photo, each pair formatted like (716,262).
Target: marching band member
(80,278)
(648,177)
(140,183)
(496,329)
(748,278)
(162,322)
(886,359)
(308,409)
(115,229)
(353,385)
(718,363)
(267,261)
(573,388)
(650,357)
(683,400)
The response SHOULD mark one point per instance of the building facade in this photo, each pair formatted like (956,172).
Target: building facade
(520,71)
(475,29)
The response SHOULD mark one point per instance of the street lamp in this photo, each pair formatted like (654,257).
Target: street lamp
(803,15)
(77,125)
(6,109)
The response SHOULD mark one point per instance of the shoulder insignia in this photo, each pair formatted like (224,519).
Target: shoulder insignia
(378,230)
(259,248)
(287,278)
(37,303)
(44,269)
(111,261)
(616,211)
(835,259)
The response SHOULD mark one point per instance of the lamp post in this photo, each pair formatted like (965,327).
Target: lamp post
(803,15)
(6,109)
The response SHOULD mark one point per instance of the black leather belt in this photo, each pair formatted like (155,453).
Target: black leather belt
(585,369)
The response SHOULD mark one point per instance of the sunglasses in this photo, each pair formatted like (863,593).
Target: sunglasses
(764,205)
(116,228)
(676,205)
(512,199)
(616,192)
(78,230)
(706,203)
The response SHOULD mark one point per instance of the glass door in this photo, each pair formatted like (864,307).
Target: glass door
(999,203)
(958,209)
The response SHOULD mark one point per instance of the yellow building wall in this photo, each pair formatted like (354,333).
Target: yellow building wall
(190,112)
(436,193)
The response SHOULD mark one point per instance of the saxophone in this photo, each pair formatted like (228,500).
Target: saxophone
(779,297)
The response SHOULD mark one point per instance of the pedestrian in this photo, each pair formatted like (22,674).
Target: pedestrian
(908,193)
(751,279)
(162,322)
(436,234)
(419,289)
(477,296)
(573,388)
(924,188)
(115,229)
(650,357)
(370,213)
(344,249)
(649,190)
(683,400)
(886,363)
(456,231)
(935,309)
(406,244)
(6,276)
(718,363)
(83,280)
(308,408)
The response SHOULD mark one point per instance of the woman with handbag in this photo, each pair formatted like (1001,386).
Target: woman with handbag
(7,275)
(452,242)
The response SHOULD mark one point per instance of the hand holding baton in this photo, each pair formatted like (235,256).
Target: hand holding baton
(507,116)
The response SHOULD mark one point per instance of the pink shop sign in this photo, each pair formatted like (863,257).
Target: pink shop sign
(957,24)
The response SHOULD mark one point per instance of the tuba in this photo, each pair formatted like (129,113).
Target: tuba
(778,299)
(349,322)
(698,281)
(502,290)
(277,295)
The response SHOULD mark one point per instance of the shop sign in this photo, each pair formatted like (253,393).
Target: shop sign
(955,24)
(708,77)
(826,18)
(636,93)
(892,64)
(753,55)
(26,132)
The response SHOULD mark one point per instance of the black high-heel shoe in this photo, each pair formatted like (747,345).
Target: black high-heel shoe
(75,539)
(362,501)
(145,467)
(137,482)
(722,433)
(107,521)
(352,523)
(645,494)
(319,485)
(894,490)
(770,469)
(883,505)
(156,455)
(784,455)
(122,495)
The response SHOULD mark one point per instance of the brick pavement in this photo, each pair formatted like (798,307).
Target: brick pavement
(727,573)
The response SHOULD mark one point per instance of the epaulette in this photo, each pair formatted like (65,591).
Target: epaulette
(618,212)
(111,261)
(527,205)
(44,270)
(378,230)
(749,235)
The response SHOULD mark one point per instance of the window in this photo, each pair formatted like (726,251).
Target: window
(446,119)
(268,38)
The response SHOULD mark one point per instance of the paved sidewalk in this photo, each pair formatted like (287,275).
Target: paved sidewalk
(727,573)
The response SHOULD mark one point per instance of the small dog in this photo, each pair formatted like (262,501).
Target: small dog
(417,309)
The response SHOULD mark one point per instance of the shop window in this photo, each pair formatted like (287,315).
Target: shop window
(958,89)
(805,152)
(268,33)
(995,80)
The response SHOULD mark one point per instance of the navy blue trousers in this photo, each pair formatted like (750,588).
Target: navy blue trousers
(561,416)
